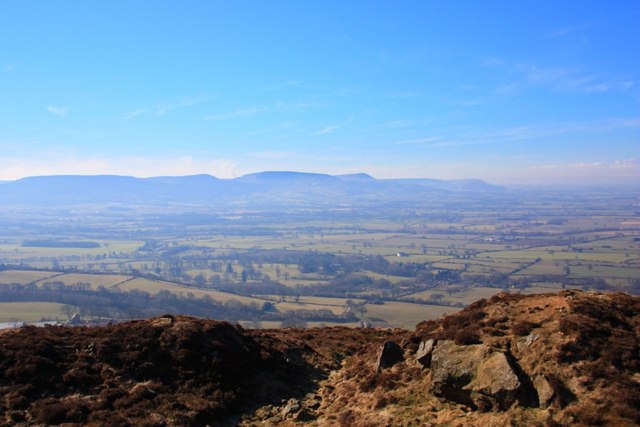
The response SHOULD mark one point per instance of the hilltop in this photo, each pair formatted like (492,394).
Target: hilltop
(570,358)
(257,189)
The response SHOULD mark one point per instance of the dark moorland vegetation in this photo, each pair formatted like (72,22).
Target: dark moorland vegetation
(573,355)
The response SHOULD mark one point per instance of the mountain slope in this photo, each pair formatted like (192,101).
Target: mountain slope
(274,188)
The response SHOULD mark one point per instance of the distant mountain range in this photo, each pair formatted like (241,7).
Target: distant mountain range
(252,189)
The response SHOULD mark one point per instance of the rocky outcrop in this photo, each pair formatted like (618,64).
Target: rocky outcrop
(424,353)
(544,390)
(569,358)
(390,354)
(475,375)
(453,367)
(495,385)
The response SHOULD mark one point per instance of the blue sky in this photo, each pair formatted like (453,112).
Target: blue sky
(511,92)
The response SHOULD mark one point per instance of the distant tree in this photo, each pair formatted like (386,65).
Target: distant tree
(268,307)
(437,297)
(200,280)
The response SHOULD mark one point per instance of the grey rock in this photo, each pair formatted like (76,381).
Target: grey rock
(292,407)
(453,367)
(495,380)
(424,353)
(544,390)
(474,375)
(390,354)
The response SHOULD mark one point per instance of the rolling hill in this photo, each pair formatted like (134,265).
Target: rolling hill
(264,188)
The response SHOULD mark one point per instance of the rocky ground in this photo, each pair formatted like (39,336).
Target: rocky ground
(556,359)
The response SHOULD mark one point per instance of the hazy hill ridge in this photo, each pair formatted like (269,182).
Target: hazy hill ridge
(264,187)
(541,360)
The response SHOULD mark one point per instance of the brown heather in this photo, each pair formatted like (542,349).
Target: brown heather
(183,371)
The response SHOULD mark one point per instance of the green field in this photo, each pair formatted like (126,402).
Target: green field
(30,311)
(304,258)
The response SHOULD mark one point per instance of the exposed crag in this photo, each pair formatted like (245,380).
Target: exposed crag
(556,359)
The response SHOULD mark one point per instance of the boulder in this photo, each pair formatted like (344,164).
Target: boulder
(423,355)
(495,383)
(292,407)
(390,354)
(474,375)
(544,390)
(453,367)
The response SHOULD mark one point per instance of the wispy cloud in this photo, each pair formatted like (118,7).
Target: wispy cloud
(629,164)
(275,128)
(594,172)
(523,77)
(16,145)
(272,155)
(281,85)
(326,130)
(58,111)
(309,89)
(418,140)
(626,85)
(396,124)
(523,133)
(333,128)
(569,29)
(233,114)
(492,62)
(130,115)
(163,108)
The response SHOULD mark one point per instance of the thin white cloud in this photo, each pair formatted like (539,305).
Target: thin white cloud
(624,171)
(282,85)
(275,128)
(163,108)
(396,124)
(233,114)
(313,90)
(15,145)
(58,111)
(418,140)
(630,165)
(529,76)
(471,102)
(132,114)
(601,87)
(569,29)
(523,133)
(326,130)
(626,85)
(507,89)
(492,62)
(272,155)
